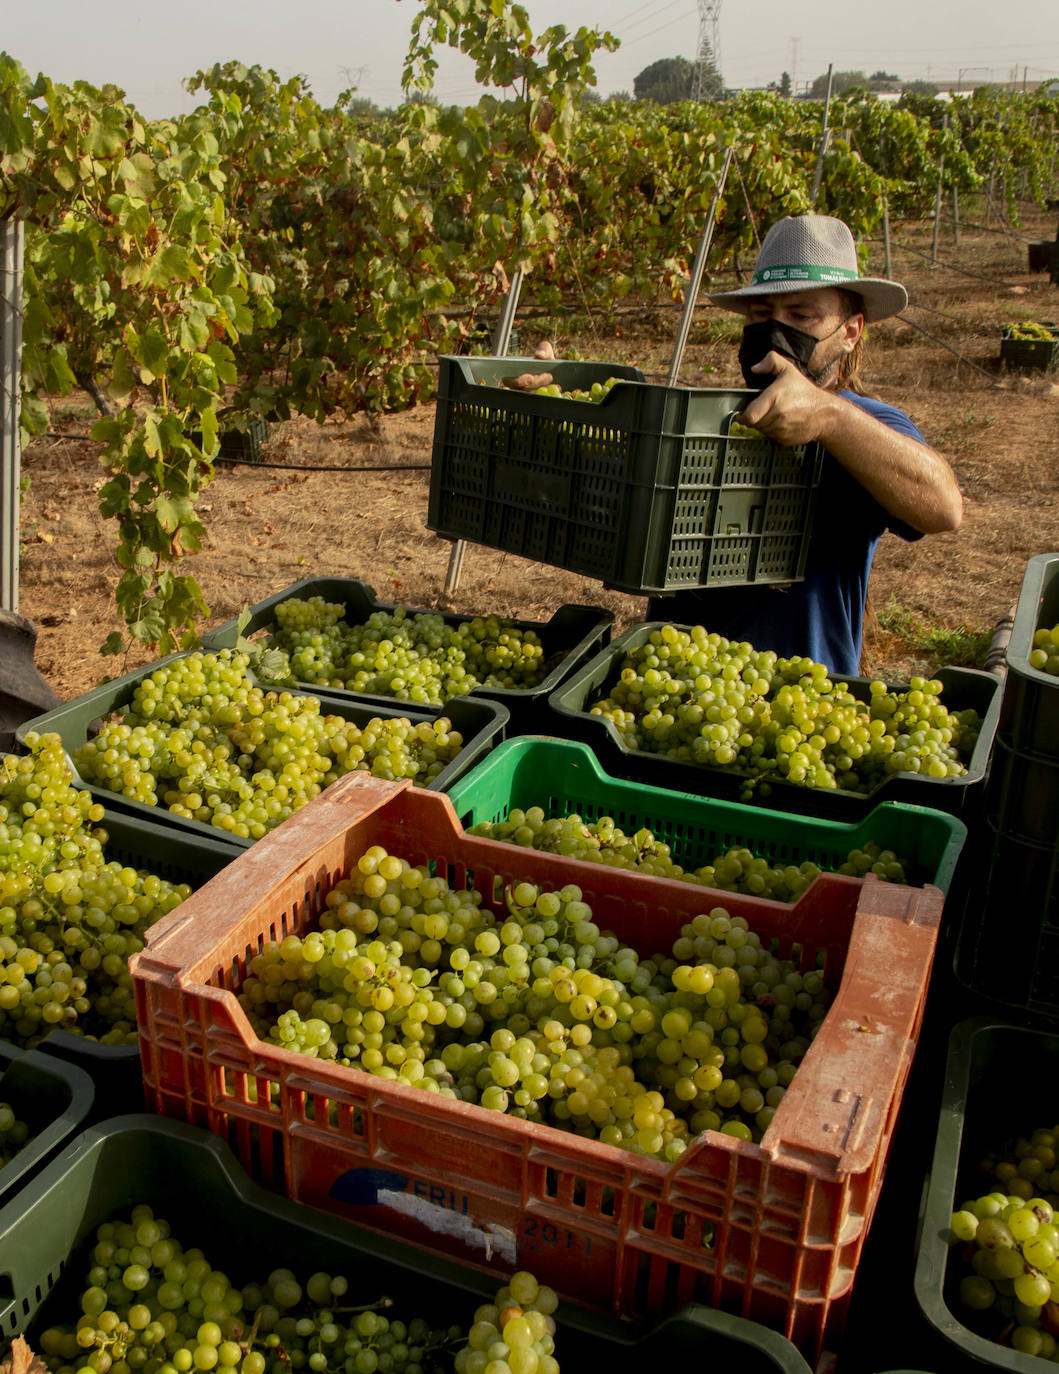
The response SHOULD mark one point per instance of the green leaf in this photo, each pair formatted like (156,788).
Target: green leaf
(171,264)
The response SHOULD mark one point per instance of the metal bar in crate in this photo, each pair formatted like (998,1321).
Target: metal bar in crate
(697,269)
(501,340)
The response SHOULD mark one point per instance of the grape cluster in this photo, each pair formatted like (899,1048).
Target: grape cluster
(13,1133)
(199,738)
(151,1305)
(597,392)
(737,869)
(1044,656)
(534,1011)
(412,656)
(69,919)
(699,698)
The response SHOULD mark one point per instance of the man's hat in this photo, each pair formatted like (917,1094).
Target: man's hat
(807,251)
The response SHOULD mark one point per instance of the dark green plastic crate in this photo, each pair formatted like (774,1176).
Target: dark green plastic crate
(962,689)
(1007,944)
(179,857)
(481,723)
(53,1099)
(1029,715)
(564,776)
(998,1085)
(570,637)
(1036,355)
(644,491)
(192,1179)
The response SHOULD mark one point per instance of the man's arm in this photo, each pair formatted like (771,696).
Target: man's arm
(909,479)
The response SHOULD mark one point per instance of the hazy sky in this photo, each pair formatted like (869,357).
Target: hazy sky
(339,43)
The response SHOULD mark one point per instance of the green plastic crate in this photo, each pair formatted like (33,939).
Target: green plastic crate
(1029,713)
(564,776)
(570,637)
(990,1062)
(192,1179)
(114,1070)
(646,490)
(962,689)
(481,723)
(1035,355)
(53,1099)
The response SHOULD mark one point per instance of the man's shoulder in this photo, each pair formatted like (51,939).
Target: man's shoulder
(884,412)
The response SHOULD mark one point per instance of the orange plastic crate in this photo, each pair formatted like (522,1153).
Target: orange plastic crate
(772,1231)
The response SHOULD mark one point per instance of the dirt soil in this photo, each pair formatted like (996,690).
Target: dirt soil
(269,526)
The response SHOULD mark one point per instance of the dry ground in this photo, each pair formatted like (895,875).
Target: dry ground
(270,526)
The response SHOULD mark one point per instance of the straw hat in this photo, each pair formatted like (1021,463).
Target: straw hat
(806,251)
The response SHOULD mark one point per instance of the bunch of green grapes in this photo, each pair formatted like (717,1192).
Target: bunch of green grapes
(737,869)
(597,392)
(411,656)
(535,1011)
(699,698)
(150,1304)
(14,1133)
(1044,656)
(69,919)
(1007,1256)
(199,738)
(1030,329)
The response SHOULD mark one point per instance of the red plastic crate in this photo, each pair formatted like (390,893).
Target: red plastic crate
(772,1231)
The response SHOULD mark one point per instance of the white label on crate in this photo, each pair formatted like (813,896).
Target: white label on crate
(496,1241)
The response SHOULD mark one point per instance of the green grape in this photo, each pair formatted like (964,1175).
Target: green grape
(417,657)
(700,698)
(69,919)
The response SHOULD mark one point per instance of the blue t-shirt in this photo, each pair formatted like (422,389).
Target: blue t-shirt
(821,616)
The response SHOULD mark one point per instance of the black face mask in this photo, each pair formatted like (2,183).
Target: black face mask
(773,336)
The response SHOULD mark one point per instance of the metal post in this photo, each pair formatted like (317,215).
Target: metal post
(937,201)
(887,269)
(825,138)
(695,280)
(501,340)
(11,253)
(956,217)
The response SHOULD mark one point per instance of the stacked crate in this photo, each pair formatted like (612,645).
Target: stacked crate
(1007,950)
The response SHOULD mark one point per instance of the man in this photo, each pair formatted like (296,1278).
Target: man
(806,309)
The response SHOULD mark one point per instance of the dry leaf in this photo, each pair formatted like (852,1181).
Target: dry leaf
(22,1359)
(45,538)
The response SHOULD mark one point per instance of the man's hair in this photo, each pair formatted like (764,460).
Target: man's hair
(849,369)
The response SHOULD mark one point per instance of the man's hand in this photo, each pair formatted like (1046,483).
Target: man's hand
(791,408)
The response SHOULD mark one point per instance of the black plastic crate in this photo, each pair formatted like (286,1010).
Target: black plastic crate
(646,490)
(53,1099)
(1029,714)
(570,638)
(1006,951)
(1035,355)
(962,689)
(192,1179)
(1022,795)
(990,1061)
(481,723)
